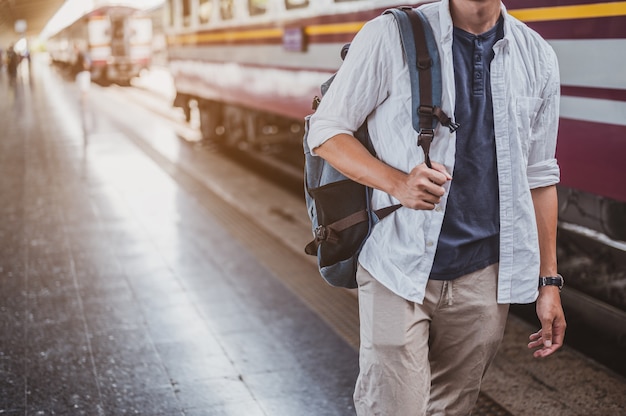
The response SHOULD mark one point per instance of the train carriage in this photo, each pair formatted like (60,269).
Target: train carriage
(117,39)
(252,67)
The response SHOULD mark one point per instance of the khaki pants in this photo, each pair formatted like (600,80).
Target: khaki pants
(427,359)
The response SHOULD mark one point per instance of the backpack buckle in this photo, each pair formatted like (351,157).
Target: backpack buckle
(328,234)
(321,233)
(316,102)
(425,137)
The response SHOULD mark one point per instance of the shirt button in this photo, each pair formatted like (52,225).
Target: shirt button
(438,208)
(429,244)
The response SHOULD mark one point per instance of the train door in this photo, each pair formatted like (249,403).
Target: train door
(119,39)
(99,45)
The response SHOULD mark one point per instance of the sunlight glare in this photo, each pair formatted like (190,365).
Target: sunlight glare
(73,9)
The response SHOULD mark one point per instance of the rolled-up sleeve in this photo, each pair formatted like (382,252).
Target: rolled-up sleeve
(543,174)
(543,169)
(359,86)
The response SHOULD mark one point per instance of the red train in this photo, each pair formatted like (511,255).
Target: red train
(253,67)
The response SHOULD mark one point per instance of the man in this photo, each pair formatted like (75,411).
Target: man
(436,278)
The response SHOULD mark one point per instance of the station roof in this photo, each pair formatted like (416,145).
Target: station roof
(36,13)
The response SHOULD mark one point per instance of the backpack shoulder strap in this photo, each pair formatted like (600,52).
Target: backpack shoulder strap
(422,55)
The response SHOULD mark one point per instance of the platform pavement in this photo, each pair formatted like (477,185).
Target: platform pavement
(124,292)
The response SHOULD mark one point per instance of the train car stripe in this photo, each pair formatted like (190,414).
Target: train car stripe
(256,35)
(587,92)
(321,32)
(342,28)
(598,28)
(583,11)
(527,4)
(594,110)
(229,36)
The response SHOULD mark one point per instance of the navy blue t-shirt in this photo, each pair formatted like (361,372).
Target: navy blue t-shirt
(470,235)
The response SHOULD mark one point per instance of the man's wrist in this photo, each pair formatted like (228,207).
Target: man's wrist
(555,280)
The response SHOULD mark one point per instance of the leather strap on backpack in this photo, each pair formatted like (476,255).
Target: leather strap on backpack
(428,114)
(330,233)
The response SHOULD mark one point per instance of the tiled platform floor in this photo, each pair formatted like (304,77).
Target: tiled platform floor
(121,294)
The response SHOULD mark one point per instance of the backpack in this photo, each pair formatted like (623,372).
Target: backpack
(339,208)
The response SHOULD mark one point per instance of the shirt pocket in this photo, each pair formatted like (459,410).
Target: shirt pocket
(526,110)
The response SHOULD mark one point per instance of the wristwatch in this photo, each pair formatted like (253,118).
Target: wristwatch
(551,281)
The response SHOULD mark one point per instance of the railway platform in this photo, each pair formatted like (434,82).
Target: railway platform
(144,273)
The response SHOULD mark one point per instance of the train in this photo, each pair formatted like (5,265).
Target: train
(116,39)
(250,70)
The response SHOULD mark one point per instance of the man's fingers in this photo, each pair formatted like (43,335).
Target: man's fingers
(546,333)
(438,177)
(535,340)
(543,345)
(536,336)
(438,174)
(441,168)
(425,186)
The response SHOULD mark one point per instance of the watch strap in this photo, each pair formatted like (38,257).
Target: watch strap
(551,281)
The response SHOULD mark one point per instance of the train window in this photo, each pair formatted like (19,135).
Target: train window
(169,13)
(295,4)
(187,12)
(205,10)
(227,11)
(257,7)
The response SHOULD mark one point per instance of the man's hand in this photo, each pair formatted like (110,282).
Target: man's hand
(550,313)
(549,309)
(423,187)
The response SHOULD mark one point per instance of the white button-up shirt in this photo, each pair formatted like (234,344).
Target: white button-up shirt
(373,84)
